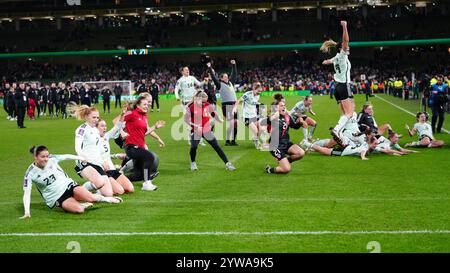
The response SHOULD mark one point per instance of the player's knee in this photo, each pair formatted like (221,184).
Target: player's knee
(129,188)
(120,190)
(78,210)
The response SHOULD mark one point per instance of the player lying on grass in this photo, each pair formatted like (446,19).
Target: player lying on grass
(423,129)
(55,186)
(390,145)
(353,148)
(198,115)
(298,113)
(281,147)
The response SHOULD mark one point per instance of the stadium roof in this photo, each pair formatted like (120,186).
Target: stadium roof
(50,9)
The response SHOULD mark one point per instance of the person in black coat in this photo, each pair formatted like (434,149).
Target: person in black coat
(21,103)
(64,96)
(118,93)
(11,101)
(5,92)
(85,95)
(106,93)
(154,91)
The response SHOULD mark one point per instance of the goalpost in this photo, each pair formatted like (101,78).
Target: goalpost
(127,86)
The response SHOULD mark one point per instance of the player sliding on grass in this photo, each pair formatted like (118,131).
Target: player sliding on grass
(281,147)
(343,93)
(298,113)
(390,145)
(423,129)
(55,186)
(198,115)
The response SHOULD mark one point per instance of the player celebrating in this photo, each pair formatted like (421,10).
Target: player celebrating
(185,88)
(119,182)
(390,145)
(55,186)
(198,116)
(343,93)
(225,86)
(423,129)
(87,145)
(281,147)
(298,113)
(367,120)
(250,113)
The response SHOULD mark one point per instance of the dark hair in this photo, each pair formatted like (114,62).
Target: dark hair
(278,97)
(420,113)
(35,150)
(139,100)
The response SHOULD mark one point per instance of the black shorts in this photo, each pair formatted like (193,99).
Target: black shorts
(424,136)
(67,194)
(81,166)
(227,110)
(281,151)
(113,173)
(343,92)
(247,121)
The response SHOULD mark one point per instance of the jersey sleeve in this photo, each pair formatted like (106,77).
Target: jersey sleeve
(416,127)
(27,186)
(79,137)
(396,147)
(113,132)
(58,158)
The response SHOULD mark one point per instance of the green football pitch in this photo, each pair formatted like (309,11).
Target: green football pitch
(326,204)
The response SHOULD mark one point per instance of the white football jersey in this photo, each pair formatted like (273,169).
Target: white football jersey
(355,149)
(424,129)
(300,108)
(185,88)
(51,181)
(250,102)
(87,143)
(342,67)
(106,148)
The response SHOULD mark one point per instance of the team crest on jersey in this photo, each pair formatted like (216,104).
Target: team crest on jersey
(81,132)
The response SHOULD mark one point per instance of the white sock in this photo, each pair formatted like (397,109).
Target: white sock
(321,143)
(311,132)
(341,123)
(305,133)
(101,198)
(90,186)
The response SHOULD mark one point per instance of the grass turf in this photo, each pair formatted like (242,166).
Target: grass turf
(321,194)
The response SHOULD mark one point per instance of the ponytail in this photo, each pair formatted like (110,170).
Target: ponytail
(327,45)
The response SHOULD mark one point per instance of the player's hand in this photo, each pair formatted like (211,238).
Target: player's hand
(159,124)
(233,62)
(208,64)
(25,216)
(344,23)
(407,127)
(161,143)
(83,159)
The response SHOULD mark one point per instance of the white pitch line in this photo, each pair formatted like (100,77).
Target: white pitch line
(274,200)
(404,110)
(224,233)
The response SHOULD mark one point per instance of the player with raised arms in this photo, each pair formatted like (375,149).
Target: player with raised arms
(55,186)
(343,92)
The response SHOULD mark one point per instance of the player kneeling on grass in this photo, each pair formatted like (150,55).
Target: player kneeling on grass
(198,115)
(281,147)
(299,112)
(55,186)
(423,129)
(119,182)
